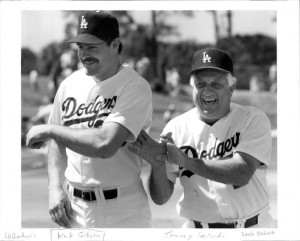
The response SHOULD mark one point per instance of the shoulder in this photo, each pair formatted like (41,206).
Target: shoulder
(248,114)
(249,111)
(135,77)
(184,118)
(134,81)
(78,76)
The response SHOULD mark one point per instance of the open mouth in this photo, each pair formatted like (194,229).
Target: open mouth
(209,101)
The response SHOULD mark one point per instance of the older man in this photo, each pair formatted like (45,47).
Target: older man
(219,150)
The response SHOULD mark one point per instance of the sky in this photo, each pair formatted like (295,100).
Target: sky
(42,27)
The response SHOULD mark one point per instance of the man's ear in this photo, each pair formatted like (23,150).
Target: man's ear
(115,45)
(232,87)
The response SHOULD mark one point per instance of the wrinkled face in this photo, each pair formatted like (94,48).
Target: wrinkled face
(98,59)
(211,94)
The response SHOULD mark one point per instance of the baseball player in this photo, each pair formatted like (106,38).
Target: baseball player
(219,150)
(94,181)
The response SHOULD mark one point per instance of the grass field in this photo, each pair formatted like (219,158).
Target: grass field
(34,177)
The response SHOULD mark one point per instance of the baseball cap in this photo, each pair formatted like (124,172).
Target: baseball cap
(96,27)
(211,58)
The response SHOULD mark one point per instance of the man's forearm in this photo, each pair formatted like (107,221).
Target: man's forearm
(160,187)
(82,141)
(233,170)
(57,164)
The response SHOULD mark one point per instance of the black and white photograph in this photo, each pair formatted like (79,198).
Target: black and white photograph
(148,119)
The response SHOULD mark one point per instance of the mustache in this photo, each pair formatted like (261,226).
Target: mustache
(89,58)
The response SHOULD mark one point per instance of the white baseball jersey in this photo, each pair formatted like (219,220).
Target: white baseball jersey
(244,129)
(125,98)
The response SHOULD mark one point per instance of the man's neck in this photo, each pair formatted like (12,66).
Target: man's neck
(112,71)
(209,121)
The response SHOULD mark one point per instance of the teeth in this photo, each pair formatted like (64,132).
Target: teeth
(209,101)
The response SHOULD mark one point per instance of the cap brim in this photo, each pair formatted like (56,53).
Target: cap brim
(206,67)
(85,39)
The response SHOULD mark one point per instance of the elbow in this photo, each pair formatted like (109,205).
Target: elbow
(159,201)
(104,151)
(243,179)
(241,183)
(160,198)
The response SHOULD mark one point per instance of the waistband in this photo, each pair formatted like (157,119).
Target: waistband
(241,224)
(101,195)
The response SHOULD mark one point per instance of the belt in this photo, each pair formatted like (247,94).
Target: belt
(91,196)
(248,223)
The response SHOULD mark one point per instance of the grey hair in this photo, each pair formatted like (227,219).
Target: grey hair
(231,79)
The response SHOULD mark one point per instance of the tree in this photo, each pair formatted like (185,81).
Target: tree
(229,20)
(160,29)
(28,61)
(222,28)
(216,25)
(252,55)
(49,55)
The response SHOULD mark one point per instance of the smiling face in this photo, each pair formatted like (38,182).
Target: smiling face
(212,94)
(99,60)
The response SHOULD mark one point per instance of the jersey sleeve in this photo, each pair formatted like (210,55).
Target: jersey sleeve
(172,169)
(256,138)
(133,109)
(56,112)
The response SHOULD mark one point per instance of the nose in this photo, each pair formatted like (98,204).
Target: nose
(207,91)
(82,52)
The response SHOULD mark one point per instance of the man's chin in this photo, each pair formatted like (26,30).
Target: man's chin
(209,114)
(88,73)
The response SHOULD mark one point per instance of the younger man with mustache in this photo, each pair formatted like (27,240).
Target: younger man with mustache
(97,111)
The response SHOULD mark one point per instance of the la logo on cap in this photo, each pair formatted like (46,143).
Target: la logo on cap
(206,57)
(83,23)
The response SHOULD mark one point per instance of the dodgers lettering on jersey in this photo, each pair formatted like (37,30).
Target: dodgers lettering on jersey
(244,129)
(217,151)
(94,111)
(126,99)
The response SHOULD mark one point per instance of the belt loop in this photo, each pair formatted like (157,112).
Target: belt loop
(90,194)
(119,193)
(101,196)
(204,225)
(70,191)
(240,224)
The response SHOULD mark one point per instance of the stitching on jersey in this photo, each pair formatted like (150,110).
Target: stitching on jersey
(262,187)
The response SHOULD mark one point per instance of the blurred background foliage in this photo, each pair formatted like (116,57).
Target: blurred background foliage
(252,54)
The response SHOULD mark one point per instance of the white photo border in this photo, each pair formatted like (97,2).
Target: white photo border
(288,121)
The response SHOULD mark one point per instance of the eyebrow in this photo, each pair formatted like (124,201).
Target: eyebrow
(83,44)
(218,79)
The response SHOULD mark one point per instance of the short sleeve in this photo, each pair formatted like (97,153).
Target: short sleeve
(133,108)
(256,139)
(56,112)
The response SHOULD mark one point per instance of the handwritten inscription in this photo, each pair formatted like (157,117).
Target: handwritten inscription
(217,235)
(178,235)
(181,235)
(265,232)
(77,235)
(19,236)
(257,233)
